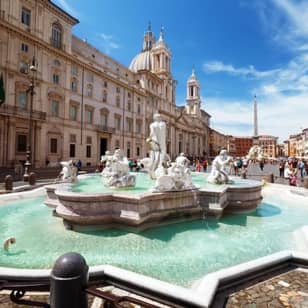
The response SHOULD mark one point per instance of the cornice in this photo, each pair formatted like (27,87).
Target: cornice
(64,55)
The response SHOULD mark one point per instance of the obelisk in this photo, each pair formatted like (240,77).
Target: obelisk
(255,121)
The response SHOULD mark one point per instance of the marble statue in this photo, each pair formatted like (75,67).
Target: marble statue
(157,140)
(178,176)
(255,153)
(219,173)
(69,171)
(116,172)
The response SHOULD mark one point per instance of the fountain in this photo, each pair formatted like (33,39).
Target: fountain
(116,172)
(256,153)
(219,173)
(170,195)
(69,171)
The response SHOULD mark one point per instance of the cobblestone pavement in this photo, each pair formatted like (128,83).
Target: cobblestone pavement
(287,290)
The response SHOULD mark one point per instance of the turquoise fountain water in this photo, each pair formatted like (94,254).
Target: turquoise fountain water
(93,184)
(178,253)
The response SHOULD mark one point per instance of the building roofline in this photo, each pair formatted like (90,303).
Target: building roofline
(73,19)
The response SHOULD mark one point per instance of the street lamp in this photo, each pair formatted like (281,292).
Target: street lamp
(33,70)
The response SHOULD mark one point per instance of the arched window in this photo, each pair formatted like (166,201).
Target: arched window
(74,85)
(56,36)
(105,96)
(89,90)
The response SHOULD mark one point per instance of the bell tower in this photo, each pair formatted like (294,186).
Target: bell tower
(193,100)
(161,56)
(148,39)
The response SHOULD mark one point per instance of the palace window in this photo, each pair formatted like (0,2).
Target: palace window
(74,85)
(24,47)
(55,108)
(89,147)
(23,67)
(104,96)
(105,84)
(138,151)
(73,112)
(89,140)
(118,90)
(22,100)
(56,36)
(88,151)
(129,106)
(138,127)
(90,77)
(118,101)
(54,145)
(74,70)
(89,90)
(55,78)
(89,116)
(138,109)
(21,144)
(72,150)
(56,62)
(117,122)
(129,125)
(25,16)
(128,149)
(72,138)
(104,119)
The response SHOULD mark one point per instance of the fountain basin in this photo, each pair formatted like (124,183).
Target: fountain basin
(120,208)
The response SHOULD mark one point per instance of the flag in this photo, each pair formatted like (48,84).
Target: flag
(2,92)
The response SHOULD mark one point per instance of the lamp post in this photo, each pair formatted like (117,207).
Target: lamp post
(33,70)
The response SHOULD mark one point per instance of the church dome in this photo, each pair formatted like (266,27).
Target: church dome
(142,61)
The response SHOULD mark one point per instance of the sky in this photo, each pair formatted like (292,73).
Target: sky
(239,48)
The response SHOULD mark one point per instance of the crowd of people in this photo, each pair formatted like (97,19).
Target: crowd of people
(291,169)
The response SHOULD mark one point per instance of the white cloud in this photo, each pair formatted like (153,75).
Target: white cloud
(278,115)
(283,92)
(297,14)
(249,71)
(108,42)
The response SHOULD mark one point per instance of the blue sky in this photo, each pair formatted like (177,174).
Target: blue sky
(238,47)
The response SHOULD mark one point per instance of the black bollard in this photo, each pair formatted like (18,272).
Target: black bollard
(8,183)
(68,280)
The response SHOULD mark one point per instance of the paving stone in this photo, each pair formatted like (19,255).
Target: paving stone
(286,290)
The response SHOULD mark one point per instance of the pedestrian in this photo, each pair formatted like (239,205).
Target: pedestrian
(302,169)
(79,164)
(245,163)
(204,164)
(235,167)
(261,165)
(198,165)
(131,165)
(293,177)
(239,165)
(281,168)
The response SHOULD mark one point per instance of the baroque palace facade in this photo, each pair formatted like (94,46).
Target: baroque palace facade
(86,102)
